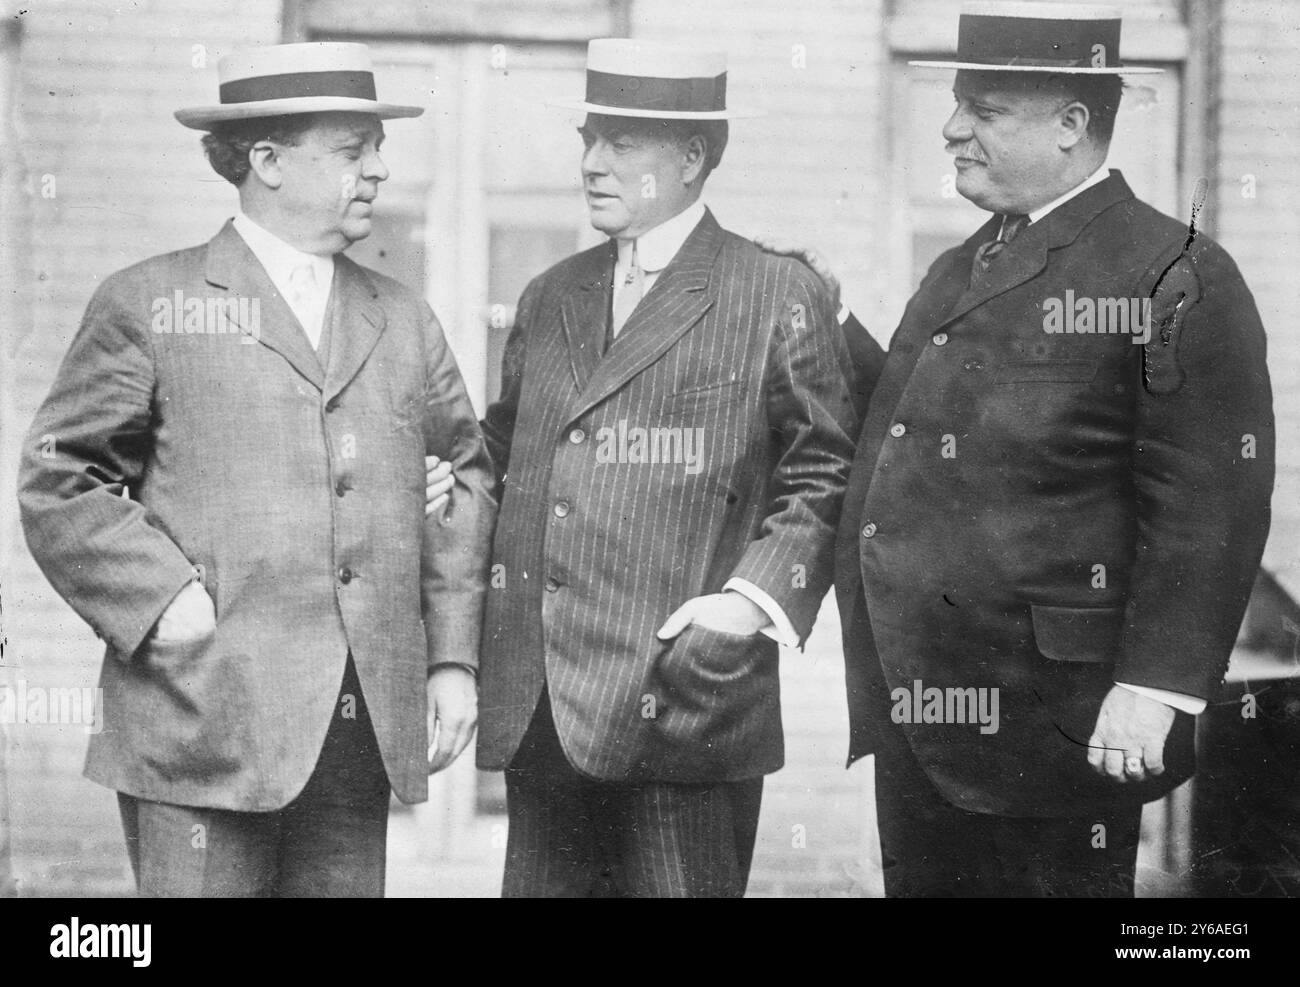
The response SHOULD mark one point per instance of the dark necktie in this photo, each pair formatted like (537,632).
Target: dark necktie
(988,252)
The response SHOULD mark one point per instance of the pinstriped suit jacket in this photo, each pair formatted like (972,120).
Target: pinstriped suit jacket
(733,371)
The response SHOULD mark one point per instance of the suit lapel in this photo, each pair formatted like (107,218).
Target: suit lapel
(231,265)
(678,300)
(584,310)
(1026,255)
(359,322)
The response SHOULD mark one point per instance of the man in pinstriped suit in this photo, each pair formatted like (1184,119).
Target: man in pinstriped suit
(673,436)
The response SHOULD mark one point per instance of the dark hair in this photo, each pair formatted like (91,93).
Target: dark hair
(227,145)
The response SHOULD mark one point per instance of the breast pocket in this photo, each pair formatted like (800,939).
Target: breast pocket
(700,400)
(1046,372)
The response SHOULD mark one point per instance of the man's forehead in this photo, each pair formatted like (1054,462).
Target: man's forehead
(343,126)
(614,126)
(999,87)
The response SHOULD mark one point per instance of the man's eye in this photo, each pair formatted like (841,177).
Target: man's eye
(984,113)
(622,147)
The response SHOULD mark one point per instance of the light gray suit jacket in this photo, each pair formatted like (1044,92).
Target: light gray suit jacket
(298,493)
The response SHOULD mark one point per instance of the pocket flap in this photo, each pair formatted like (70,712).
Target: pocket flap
(1046,371)
(1078,633)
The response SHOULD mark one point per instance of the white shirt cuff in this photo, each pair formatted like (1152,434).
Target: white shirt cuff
(779,628)
(1178,700)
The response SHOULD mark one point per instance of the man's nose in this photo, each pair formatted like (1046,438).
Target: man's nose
(593,162)
(958,128)
(375,167)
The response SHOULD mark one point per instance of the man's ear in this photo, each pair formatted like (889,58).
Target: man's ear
(693,153)
(1072,125)
(264,162)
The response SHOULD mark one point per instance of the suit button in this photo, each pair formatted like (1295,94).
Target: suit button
(561,508)
(552,584)
(332,404)
(577,436)
(868,531)
(897,429)
(345,575)
(939,338)
(341,487)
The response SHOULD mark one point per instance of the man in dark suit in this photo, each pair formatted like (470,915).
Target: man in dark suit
(673,432)
(1060,494)
(227,482)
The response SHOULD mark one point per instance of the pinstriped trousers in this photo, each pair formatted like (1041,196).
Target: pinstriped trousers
(575,837)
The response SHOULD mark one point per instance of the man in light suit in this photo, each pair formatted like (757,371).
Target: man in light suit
(673,436)
(227,482)
(1058,502)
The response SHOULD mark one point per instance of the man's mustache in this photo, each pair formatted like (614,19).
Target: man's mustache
(967,150)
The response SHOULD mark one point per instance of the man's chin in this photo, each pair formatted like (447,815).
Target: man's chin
(354,232)
(606,223)
(973,188)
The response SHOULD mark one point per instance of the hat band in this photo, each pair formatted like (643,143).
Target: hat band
(629,92)
(292,85)
(1051,43)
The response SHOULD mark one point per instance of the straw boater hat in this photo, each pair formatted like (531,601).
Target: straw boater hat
(628,78)
(1068,38)
(312,77)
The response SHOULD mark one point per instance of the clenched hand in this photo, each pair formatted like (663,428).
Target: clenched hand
(1129,739)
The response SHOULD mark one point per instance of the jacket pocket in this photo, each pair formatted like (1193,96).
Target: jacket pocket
(698,401)
(1086,634)
(1045,372)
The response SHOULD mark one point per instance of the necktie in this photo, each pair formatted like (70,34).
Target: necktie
(988,252)
(302,287)
(629,296)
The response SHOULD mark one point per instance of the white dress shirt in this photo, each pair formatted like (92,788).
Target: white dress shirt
(282,263)
(654,250)
(1098,176)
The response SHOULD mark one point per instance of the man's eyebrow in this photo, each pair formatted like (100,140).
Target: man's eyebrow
(982,98)
(360,134)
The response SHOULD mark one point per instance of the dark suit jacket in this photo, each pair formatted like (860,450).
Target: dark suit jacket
(1047,514)
(298,490)
(596,548)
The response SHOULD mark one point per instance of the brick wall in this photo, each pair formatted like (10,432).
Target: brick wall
(99,81)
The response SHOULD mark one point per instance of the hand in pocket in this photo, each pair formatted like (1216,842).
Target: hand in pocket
(190,616)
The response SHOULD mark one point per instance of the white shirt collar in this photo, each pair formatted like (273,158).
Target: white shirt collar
(1098,176)
(280,259)
(656,247)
